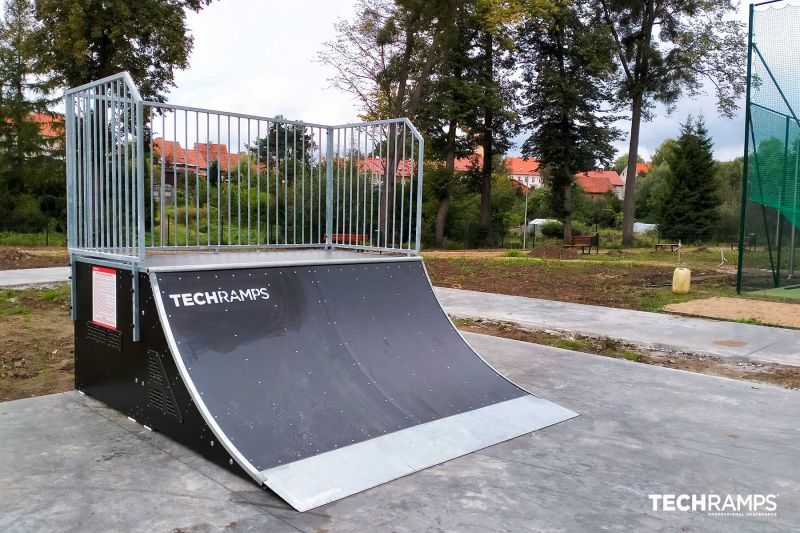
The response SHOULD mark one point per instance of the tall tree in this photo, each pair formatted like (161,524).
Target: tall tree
(84,40)
(25,93)
(667,48)
(690,206)
(566,67)
(495,21)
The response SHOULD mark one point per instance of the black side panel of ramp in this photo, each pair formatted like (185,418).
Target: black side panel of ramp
(303,370)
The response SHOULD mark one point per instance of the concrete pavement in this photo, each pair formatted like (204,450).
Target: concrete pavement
(658,330)
(67,463)
(33,276)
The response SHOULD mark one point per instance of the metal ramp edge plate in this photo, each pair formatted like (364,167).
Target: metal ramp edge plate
(335,378)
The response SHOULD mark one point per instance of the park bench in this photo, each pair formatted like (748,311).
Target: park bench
(671,245)
(749,242)
(585,243)
(348,238)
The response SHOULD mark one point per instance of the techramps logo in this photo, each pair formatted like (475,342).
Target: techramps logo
(189,299)
(736,505)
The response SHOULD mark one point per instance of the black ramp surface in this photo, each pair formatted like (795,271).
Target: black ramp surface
(295,362)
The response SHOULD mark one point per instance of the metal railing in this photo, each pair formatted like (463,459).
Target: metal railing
(148,175)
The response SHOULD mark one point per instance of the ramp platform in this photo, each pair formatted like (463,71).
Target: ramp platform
(319,378)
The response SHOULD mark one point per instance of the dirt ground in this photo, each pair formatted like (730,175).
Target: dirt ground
(608,283)
(36,350)
(13,257)
(742,309)
(781,375)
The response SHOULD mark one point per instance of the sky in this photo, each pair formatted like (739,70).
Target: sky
(259,57)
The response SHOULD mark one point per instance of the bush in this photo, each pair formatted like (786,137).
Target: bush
(553,229)
(580,229)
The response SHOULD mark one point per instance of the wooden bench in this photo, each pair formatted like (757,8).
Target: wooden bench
(749,243)
(585,243)
(348,238)
(672,246)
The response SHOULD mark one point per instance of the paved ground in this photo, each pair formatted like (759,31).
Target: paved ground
(697,335)
(69,464)
(33,276)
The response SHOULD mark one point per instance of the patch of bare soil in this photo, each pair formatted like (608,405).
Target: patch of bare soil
(36,343)
(774,374)
(753,311)
(554,252)
(600,283)
(12,257)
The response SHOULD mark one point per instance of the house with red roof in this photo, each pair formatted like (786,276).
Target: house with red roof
(596,183)
(524,172)
(641,170)
(180,161)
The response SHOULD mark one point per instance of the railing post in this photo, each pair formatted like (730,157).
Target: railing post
(140,178)
(69,140)
(329,192)
(420,162)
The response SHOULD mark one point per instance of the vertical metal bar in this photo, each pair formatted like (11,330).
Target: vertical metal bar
(364,188)
(139,194)
(381,178)
(127,121)
(294,183)
(404,170)
(338,180)
(350,195)
(286,183)
(84,176)
(303,189)
(394,130)
(163,216)
(319,188)
(115,170)
(745,162)
(152,168)
(358,183)
(185,176)
(174,175)
(421,146)
(219,183)
(90,169)
(69,147)
(100,173)
(239,180)
(135,297)
(411,188)
(208,178)
(329,191)
(196,178)
(258,182)
(228,185)
(266,179)
(277,182)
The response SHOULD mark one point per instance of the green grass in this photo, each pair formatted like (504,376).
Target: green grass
(13,238)
(10,303)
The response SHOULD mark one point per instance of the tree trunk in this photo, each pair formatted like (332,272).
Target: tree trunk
(444,202)
(568,213)
(488,152)
(629,202)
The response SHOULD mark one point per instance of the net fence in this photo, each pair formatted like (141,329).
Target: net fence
(770,216)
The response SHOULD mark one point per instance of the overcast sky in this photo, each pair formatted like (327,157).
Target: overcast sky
(259,57)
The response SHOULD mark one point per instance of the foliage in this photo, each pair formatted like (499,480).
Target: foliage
(565,70)
(85,40)
(553,229)
(622,161)
(689,210)
(31,174)
(668,48)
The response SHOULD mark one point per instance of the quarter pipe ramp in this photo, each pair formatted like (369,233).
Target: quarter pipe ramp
(318,380)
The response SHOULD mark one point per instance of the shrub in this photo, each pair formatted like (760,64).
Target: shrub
(553,229)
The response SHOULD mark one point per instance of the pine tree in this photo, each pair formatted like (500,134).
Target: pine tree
(690,207)
(566,66)
(27,166)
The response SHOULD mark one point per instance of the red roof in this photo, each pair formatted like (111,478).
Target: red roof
(51,125)
(465,164)
(174,153)
(599,181)
(519,166)
(643,168)
(375,165)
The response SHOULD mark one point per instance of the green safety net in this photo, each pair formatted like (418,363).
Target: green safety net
(771,212)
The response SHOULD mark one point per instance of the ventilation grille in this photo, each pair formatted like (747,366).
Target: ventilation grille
(159,392)
(106,337)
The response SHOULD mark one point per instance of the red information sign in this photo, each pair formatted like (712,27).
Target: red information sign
(104,297)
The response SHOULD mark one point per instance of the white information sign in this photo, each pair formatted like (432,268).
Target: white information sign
(104,297)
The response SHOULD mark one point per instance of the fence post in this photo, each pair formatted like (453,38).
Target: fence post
(421,146)
(140,178)
(329,192)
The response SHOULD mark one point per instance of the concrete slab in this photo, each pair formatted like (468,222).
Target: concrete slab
(69,464)
(33,276)
(696,335)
